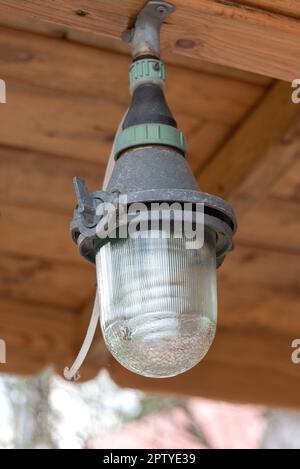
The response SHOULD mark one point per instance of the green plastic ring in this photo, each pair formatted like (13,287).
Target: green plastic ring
(147,68)
(147,134)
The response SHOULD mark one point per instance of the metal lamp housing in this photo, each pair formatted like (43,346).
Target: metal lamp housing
(158,299)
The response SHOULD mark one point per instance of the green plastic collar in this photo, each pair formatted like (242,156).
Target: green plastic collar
(147,134)
(147,69)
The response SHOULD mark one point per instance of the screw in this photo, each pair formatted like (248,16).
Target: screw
(114,190)
(156,66)
(161,9)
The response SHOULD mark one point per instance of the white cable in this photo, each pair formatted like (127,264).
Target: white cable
(111,159)
(72,374)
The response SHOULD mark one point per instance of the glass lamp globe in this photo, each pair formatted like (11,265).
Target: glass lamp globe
(158,302)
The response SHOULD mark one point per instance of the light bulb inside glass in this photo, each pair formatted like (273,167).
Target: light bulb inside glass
(158,302)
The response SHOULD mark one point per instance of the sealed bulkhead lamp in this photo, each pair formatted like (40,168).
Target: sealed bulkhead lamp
(157,294)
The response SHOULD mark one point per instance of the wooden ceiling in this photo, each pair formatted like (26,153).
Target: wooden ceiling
(230,64)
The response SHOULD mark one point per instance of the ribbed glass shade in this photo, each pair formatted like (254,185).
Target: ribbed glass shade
(158,303)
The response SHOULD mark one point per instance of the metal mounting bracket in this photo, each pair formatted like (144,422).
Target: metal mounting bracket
(86,210)
(86,207)
(144,37)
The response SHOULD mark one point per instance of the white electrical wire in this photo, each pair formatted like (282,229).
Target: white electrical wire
(72,374)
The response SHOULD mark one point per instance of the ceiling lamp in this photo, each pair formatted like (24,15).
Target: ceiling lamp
(156,286)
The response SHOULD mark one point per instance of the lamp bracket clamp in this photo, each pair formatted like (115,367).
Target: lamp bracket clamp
(144,37)
(88,211)
(218,216)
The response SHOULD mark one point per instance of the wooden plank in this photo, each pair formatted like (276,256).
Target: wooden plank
(86,72)
(39,119)
(42,180)
(37,233)
(226,33)
(263,130)
(274,223)
(66,33)
(45,336)
(63,99)
(284,7)
(40,280)
(35,337)
(268,293)
(204,141)
(288,187)
(277,173)
(42,120)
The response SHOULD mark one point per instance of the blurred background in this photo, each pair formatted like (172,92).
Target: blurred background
(45,412)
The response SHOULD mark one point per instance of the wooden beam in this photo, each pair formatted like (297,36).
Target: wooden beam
(227,33)
(45,281)
(259,134)
(205,141)
(279,162)
(49,178)
(41,120)
(38,233)
(81,71)
(288,188)
(43,182)
(274,223)
(66,33)
(284,7)
(44,336)
(36,336)
(267,297)
(63,99)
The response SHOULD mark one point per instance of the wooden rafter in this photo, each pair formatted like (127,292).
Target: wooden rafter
(243,35)
(260,133)
(64,100)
